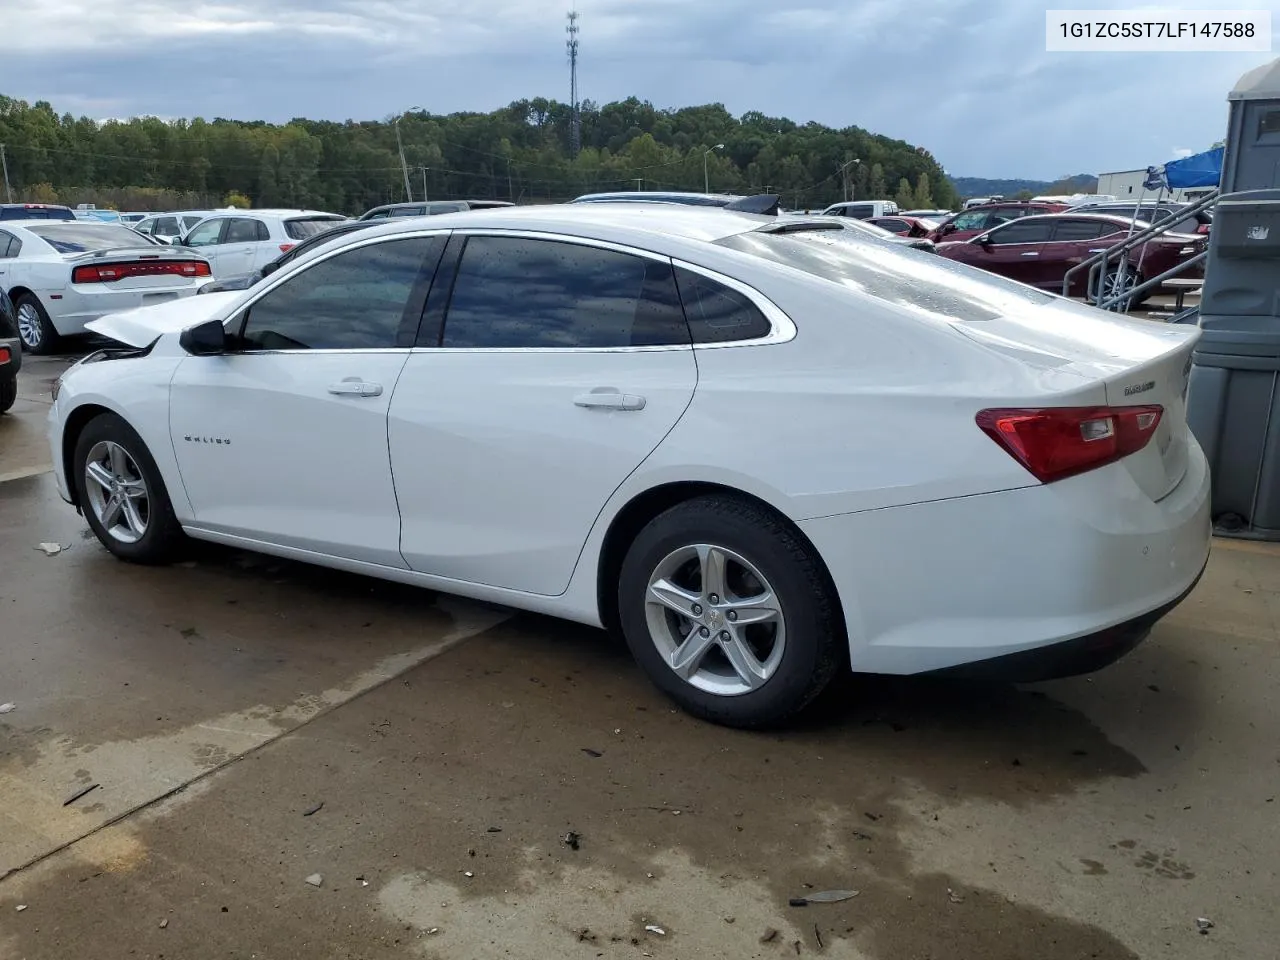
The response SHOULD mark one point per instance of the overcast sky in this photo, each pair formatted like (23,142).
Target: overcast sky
(968,79)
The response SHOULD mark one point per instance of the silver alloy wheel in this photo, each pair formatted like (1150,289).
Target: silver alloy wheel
(715,619)
(117,492)
(1120,280)
(29,327)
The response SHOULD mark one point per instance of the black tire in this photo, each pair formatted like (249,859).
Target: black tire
(47,337)
(814,647)
(8,392)
(1134,279)
(163,540)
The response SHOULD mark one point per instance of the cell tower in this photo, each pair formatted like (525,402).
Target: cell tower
(571,45)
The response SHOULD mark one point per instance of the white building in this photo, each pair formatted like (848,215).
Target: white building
(1127,185)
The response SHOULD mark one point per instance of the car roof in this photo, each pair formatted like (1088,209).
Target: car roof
(599,220)
(652,196)
(272,212)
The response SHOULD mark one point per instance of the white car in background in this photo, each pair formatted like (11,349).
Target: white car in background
(168,227)
(764,450)
(61,274)
(246,240)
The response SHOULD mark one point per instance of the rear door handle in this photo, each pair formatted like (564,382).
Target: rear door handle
(1030,253)
(355,387)
(607,398)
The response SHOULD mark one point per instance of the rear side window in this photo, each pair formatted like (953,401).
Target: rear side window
(243,230)
(512,292)
(303,228)
(1069,230)
(357,300)
(1026,231)
(716,313)
(10,246)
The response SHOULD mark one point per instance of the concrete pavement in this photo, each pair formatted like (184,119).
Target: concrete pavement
(455,747)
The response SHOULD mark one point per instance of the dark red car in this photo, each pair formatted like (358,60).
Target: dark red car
(976,220)
(1040,250)
(905,226)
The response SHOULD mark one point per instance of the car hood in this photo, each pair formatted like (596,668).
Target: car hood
(143,326)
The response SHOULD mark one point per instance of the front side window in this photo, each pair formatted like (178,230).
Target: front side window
(205,235)
(1025,231)
(243,230)
(517,292)
(302,228)
(973,220)
(355,300)
(1071,230)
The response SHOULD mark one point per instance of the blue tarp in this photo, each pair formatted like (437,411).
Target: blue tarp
(1200,170)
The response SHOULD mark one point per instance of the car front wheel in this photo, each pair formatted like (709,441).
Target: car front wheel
(730,612)
(120,489)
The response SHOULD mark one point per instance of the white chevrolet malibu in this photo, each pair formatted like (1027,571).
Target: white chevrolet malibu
(764,450)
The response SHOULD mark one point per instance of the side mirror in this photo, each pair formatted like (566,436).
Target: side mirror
(948,228)
(984,242)
(208,339)
(269,268)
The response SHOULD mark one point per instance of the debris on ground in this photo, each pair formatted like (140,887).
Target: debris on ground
(953,896)
(586,936)
(494,830)
(823,896)
(313,809)
(769,936)
(50,549)
(1204,925)
(468,874)
(572,840)
(164,923)
(655,929)
(315,880)
(80,793)
(433,931)
(818,933)
(592,753)
(730,919)
(20,907)
(8,707)
(362,881)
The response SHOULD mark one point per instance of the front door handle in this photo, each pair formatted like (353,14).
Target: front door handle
(355,387)
(607,398)
(1031,253)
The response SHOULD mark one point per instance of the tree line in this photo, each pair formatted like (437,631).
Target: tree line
(520,152)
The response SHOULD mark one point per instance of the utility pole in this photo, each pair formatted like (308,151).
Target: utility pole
(4,162)
(425,198)
(571,45)
(404,167)
(639,181)
(844,175)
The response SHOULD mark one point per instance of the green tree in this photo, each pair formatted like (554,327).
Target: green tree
(905,198)
(923,193)
(877,188)
(238,200)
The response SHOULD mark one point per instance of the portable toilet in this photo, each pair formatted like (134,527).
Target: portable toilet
(1252,159)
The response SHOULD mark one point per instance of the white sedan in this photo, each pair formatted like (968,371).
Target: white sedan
(62,274)
(763,450)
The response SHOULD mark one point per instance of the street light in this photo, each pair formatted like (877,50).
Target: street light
(404,167)
(844,176)
(706,176)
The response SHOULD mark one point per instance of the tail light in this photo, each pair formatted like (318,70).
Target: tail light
(286,247)
(1202,228)
(5,356)
(109,272)
(1058,442)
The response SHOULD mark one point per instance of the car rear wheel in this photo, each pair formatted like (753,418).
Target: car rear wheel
(730,612)
(123,496)
(1120,280)
(8,392)
(34,329)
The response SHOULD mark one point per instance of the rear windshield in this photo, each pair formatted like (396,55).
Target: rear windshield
(36,213)
(301,229)
(913,279)
(85,237)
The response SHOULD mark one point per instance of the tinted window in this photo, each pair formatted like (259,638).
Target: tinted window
(1032,231)
(355,300)
(716,313)
(301,229)
(9,246)
(894,226)
(82,237)
(241,230)
(1068,230)
(205,234)
(514,292)
(973,220)
(166,226)
(859,211)
(1269,122)
(436,208)
(189,222)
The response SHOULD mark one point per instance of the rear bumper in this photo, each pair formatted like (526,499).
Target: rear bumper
(70,314)
(10,367)
(933,586)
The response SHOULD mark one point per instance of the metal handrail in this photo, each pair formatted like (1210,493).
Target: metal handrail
(1153,282)
(1134,240)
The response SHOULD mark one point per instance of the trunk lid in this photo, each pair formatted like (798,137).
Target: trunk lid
(1137,362)
(141,256)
